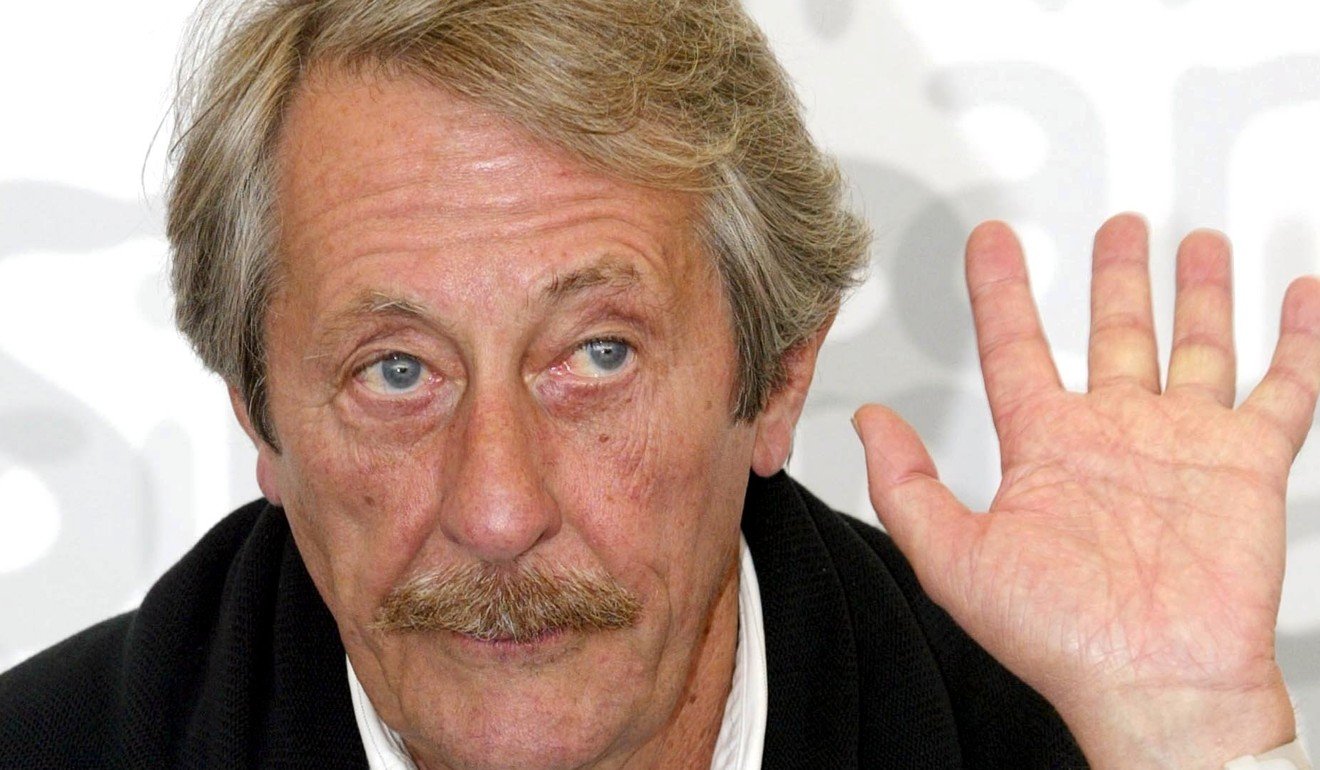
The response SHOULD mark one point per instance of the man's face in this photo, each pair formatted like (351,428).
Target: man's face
(483,355)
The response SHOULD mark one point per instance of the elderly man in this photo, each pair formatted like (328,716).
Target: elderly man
(520,303)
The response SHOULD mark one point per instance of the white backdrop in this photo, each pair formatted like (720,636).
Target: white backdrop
(117,450)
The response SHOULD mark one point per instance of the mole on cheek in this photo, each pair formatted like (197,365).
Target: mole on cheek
(368,500)
(603,438)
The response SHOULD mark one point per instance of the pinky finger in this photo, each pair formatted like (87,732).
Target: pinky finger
(1287,394)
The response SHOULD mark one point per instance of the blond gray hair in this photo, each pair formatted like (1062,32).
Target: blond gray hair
(672,94)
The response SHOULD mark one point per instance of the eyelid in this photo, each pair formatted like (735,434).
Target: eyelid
(614,338)
(375,344)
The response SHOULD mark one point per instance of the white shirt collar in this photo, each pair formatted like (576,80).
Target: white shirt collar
(742,733)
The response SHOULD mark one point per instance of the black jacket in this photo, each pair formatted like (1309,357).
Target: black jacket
(234,661)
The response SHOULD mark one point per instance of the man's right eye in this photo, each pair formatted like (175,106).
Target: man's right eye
(394,374)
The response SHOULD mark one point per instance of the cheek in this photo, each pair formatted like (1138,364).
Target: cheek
(659,434)
(358,511)
(657,486)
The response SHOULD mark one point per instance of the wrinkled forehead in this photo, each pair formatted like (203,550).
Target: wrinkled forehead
(400,143)
(371,165)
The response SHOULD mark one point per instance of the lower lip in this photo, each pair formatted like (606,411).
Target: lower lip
(549,642)
(544,636)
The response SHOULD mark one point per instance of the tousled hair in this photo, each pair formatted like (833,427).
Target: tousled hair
(672,94)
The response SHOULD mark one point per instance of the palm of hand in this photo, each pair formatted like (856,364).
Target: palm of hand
(1135,547)
(1141,536)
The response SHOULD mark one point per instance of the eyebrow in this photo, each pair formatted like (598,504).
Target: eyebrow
(611,275)
(369,305)
(377,304)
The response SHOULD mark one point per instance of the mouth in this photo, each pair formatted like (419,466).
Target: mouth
(515,641)
(543,647)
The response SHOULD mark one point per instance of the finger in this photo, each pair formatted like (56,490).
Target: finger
(1202,360)
(926,521)
(1287,394)
(1015,358)
(1122,349)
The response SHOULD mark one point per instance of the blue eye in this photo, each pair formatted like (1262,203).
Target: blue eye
(394,374)
(600,358)
(608,355)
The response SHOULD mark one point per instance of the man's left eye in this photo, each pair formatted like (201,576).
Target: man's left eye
(600,358)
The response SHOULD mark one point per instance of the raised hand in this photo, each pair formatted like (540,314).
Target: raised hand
(1130,565)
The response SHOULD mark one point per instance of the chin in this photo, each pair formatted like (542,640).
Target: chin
(563,701)
(522,737)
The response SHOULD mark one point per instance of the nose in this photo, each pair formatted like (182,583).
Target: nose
(498,506)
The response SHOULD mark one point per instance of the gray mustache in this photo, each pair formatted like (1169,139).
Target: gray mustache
(499,604)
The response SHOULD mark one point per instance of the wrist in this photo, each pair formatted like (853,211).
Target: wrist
(1291,756)
(1182,728)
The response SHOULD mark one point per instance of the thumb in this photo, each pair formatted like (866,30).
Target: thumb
(926,521)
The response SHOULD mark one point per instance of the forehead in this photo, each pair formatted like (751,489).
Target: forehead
(372,165)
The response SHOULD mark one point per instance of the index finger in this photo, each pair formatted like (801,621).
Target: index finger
(1015,357)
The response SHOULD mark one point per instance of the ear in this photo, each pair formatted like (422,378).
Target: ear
(776,423)
(267,457)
